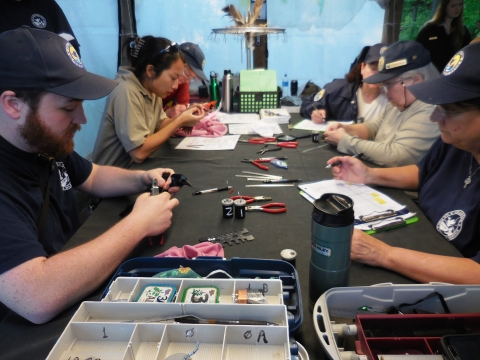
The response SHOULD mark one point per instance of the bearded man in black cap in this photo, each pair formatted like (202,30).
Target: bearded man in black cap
(43,83)
(447,180)
(402,134)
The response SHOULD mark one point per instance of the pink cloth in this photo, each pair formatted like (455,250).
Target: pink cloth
(209,126)
(190,252)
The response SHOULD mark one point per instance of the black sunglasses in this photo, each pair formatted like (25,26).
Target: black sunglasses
(173,48)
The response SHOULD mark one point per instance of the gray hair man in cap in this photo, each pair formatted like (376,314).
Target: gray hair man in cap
(447,180)
(179,100)
(402,134)
(43,83)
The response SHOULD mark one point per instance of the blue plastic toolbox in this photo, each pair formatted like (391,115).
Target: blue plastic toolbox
(141,316)
(237,268)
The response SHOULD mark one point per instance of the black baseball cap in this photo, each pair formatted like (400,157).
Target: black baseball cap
(195,58)
(38,59)
(399,58)
(459,81)
(373,53)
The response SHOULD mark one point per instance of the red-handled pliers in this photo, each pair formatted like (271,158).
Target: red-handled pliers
(257,162)
(286,144)
(281,208)
(250,199)
(258,140)
(265,148)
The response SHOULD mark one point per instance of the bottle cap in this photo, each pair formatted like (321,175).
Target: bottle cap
(333,210)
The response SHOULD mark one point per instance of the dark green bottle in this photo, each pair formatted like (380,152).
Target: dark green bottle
(332,229)
(213,88)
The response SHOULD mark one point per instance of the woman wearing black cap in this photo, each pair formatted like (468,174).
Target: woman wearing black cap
(447,180)
(134,124)
(349,98)
(445,34)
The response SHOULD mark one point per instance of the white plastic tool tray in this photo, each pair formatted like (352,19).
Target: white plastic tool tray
(118,327)
(335,312)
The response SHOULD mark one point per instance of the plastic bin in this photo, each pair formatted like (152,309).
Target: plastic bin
(341,326)
(252,102)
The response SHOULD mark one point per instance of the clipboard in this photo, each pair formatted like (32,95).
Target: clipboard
(374,211)
(392,225)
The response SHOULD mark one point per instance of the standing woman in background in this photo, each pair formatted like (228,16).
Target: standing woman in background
(134,125)
(445,34)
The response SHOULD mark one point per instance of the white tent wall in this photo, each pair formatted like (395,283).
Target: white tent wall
(322,38)
(95,24)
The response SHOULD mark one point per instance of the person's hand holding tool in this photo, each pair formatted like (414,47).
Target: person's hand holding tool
(163,179)
(190,117)
(318,116)
(199,109)
(334,133)
(175,110)
(334,126)
(350,169)
(152,215)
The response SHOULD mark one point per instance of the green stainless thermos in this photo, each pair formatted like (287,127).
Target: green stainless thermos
(332,229)
(213,88)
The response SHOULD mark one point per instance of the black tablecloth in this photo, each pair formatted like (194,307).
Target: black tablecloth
(201,215)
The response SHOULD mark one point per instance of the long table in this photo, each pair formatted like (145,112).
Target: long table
(201,215)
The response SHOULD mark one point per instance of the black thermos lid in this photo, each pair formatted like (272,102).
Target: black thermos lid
(333,210)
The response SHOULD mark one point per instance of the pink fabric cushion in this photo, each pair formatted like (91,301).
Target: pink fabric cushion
(192,251)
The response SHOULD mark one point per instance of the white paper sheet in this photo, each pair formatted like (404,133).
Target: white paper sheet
(237,118)
(226,142)
(366,200)
(246,129)
(365,226)
(309,125)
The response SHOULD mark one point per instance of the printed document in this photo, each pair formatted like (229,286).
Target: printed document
(366,200)
(226,142)
(309,125)
(237,118)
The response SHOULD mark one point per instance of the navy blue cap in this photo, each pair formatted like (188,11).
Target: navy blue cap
(399,58)
(373,53)
(459,81)
(195,58)
(38,59)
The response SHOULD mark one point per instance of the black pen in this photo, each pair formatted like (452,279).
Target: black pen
(211,190)
(281,181)
(336,163)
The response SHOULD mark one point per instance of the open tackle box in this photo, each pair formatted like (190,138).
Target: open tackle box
(141,317)
(356,323)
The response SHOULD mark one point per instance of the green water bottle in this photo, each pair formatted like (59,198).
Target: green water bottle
(332,229)
(213,88)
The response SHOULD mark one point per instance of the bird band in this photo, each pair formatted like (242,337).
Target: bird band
(239,208)
(227,208)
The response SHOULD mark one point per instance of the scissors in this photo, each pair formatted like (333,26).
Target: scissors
(250,199)
(279,208)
